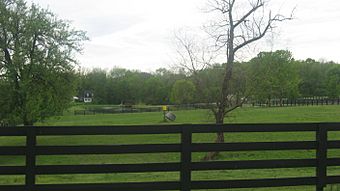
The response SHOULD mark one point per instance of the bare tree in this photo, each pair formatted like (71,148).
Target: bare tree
(239,24)
(242,23)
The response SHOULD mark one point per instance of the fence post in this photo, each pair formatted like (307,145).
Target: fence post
(321,157)
(31,140)
(185,177)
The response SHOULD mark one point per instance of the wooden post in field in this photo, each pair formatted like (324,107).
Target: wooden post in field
(164,108)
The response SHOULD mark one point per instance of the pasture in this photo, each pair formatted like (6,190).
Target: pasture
(241,115)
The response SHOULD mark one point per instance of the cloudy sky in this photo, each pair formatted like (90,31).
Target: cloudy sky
(138,34)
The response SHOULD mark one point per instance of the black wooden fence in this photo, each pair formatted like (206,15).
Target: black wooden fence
(186,166)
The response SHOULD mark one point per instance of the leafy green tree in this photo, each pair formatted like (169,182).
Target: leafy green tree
(5,106)
(207,83)
(134,82)
(127,85)
(115,86)
(168,79)
(183,92)
(37,62)
(275,76)
(119,85)
(96,82)
(155,91)
(333,81)
(313,77)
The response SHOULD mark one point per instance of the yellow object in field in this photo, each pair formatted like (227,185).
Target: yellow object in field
(165,108)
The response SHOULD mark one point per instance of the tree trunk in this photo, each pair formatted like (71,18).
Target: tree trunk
(219,135)
(26,121)
(213,155)
(225,89)
(231,27)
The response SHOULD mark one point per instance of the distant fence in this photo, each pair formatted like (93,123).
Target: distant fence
(309,101)
(116,110)
(297,102)
(185,167)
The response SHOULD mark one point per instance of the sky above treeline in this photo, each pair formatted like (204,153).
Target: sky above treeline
(139,34)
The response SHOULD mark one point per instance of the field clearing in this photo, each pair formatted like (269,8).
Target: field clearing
(242,115)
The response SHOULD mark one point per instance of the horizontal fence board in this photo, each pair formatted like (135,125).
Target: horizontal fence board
(107,168)
(12,188)
(12,170)
(173,129)
(333,179)
(333,162)
(255,146)
(333,144)
(107,149)
(109,130)
(13,131)
(12,150)
(253,164)
(131,186)
(331,126)
(258,183)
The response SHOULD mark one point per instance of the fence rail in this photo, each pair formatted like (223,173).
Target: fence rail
(309,101)
(185,167)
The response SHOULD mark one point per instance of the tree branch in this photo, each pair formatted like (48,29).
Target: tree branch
(257,6)
(262,33)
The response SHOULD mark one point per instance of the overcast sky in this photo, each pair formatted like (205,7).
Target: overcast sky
(138,34)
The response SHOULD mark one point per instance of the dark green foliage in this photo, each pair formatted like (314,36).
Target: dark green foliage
(274,75)
(333,80)
(183,92)
(313,78)
(94,81)
(155,91)
(209,83)
(36,62)
(270,75)
(319,79)
(121,85)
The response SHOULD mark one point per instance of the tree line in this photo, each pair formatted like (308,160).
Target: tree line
(270,75)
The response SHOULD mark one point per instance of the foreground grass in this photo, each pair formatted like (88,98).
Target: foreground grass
(242,115)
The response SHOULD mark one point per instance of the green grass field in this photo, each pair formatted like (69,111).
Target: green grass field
(241,115)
